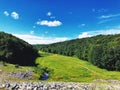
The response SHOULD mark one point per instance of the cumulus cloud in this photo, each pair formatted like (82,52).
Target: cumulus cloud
(6,13)
(15,15)
(54,23)
(39,39)
(98,32)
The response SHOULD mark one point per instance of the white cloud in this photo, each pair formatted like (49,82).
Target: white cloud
(15,15)
(49,14)
(106,32)
(39,39)
(54,23)
(84,35)
(109,16)
(6,13)
(98,32)
(32,32)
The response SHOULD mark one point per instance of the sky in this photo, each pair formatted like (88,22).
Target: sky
(50,21)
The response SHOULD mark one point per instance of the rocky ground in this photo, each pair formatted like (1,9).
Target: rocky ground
(25,75)
(6,84)
(10,85)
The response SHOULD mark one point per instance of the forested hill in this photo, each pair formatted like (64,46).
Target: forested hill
(16,51)
(102,50)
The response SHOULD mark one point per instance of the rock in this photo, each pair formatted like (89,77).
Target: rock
(25,75)
(11,85)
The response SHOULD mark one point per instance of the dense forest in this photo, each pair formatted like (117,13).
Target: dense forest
(16,51)
(102,50)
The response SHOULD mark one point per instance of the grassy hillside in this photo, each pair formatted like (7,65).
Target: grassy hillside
(102,50)
(66,68)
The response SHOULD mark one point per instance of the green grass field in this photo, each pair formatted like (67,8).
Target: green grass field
(64,68)
(72,69)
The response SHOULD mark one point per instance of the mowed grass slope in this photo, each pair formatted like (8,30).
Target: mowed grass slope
(72,69)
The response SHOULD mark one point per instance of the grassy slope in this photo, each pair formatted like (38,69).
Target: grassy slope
(73,69)
(9,68)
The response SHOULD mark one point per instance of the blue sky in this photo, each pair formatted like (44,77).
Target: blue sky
(49,21)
